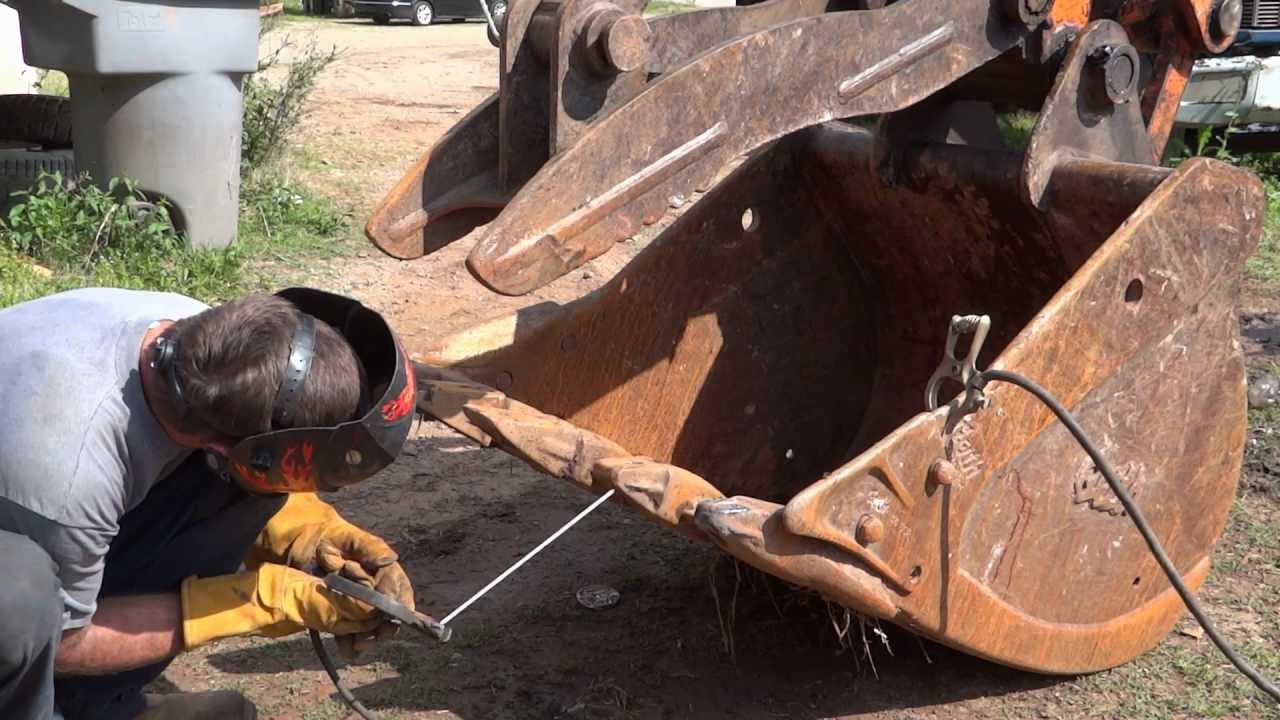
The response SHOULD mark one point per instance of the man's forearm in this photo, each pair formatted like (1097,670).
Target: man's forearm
(126,632)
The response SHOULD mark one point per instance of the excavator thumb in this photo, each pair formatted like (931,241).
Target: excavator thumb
(765,376)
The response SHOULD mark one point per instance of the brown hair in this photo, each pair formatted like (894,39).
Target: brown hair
(231,361)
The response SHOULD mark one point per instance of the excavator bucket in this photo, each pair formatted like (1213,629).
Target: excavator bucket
(759,377)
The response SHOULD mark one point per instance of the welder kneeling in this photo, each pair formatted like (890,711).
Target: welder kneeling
(121,545)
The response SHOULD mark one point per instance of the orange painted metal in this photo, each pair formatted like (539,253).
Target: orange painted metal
(1071,12)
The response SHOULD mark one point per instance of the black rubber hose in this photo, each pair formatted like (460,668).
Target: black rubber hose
(330,668)
(1157,550)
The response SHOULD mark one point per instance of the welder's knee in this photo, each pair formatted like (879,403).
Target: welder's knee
(30,605)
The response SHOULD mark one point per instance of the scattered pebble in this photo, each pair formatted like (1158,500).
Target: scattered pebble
(598,597)
(1192,631)
(1264,391)
(587,275)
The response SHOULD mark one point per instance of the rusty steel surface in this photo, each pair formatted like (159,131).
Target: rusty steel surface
(586,83)
(448,193)
(557,83)
(679,37)
(1091,112)
(574,209)
(804,410)
(754,378)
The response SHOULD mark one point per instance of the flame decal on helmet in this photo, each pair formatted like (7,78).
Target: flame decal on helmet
(296,466)
(398,408)
(256,478)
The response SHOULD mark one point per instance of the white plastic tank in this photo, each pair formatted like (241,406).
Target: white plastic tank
(156,95)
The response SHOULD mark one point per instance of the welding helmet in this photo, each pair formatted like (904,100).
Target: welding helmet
(305,459)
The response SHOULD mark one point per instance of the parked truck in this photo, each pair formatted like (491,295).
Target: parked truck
(1237,95)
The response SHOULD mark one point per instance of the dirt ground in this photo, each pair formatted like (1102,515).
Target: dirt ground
(693,636)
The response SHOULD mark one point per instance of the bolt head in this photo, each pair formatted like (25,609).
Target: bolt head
(943,472)
(1122,76)
(626,43)
(1115,68)
(1031,13)
(870,530)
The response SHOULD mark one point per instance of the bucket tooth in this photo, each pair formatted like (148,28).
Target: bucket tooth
(547,443)
(753,531)
(451,190)
(667,493)
(445,399)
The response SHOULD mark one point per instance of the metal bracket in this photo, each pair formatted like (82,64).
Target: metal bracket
(953,368)
(1092,111)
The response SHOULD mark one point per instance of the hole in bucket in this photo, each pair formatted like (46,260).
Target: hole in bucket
(1136,581)
(915,573)
(1133,293)
(750,220)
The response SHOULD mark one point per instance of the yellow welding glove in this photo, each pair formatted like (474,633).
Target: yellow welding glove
(309,533)
(272,601)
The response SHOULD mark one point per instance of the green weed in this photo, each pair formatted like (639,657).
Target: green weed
(53,82)
(76,234)
(272,108)
(668,7)
(293,12)
(281,215)
(1016,128)
(1264,266)
(63,235)
(283,226)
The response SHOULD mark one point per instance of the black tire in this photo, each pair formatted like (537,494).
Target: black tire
(381,19)
(19,169)
(42,119)
(423,13)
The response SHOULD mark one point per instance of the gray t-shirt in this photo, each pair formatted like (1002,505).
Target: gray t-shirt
(78,446)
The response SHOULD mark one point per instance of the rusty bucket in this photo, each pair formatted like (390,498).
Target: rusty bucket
(755,379)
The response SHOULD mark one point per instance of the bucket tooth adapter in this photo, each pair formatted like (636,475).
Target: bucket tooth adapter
(754,377)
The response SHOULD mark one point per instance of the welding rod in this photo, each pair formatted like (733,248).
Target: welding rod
(599,501)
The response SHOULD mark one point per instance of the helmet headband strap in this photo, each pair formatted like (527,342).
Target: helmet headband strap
(301,352)
(164,357)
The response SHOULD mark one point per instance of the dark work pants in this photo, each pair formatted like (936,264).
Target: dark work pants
(193,522)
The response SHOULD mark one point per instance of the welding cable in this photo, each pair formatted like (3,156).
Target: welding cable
(343,690)
(1157,550)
